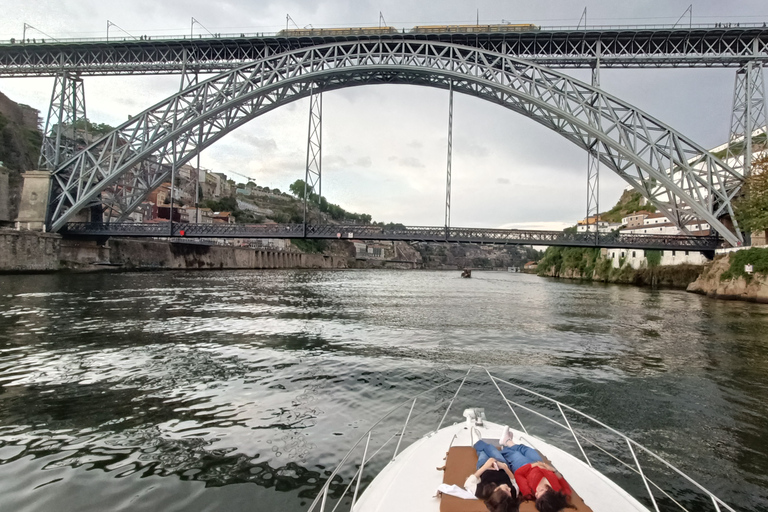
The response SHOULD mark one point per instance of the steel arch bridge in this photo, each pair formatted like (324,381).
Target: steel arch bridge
(679,177)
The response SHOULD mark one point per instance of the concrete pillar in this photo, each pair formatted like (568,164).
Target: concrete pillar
(5,194)
(34,200)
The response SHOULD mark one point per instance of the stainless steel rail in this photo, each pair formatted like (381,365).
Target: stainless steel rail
(323,495)
(632,445)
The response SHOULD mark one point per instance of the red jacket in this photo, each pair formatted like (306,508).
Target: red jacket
(528,478)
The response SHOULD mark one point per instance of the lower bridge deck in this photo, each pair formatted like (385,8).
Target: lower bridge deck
(408,234)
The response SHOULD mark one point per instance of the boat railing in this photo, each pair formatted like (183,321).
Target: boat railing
(571,419)
(356,478)
(633,446)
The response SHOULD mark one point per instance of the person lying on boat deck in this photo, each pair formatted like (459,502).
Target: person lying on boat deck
(534,478)
(493,482)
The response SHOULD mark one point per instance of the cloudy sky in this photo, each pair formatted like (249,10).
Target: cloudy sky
(384,147)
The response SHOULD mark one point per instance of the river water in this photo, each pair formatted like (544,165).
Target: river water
(198,391)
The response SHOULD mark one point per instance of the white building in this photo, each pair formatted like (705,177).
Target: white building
(602,225)
(658,224)
(636,258)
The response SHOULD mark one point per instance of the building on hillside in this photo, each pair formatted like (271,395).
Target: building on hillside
(223,218)
(635,219)
(196,215)
(658,224)
(637,258)
(377,250)
(590,222)
(531,265)
(162,194)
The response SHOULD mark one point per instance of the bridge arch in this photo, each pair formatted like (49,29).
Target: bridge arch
(679,177)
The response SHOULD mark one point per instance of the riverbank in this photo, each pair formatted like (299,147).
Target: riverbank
(30,251)
(589,265)
(726,277)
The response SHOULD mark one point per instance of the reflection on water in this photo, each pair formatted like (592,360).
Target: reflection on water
(218,390)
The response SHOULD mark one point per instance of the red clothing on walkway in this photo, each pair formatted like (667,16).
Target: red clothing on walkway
(528,478)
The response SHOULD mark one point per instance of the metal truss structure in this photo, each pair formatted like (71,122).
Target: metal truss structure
(409,234)
(703,46)
(593,159)
(679,177)
(749,116)
(314,168)
(62,135)
(449,159)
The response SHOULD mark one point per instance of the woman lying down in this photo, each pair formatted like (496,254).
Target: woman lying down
(506,477)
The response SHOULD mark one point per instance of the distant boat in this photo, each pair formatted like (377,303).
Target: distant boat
(466,273)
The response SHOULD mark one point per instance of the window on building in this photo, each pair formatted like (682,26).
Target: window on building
(622,254)
(633,254)
(686,253)
(673,253)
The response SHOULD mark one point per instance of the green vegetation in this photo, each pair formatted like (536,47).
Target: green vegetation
(585,263)
(653,257)
(308,245)
(334,211)
(756,257)
(630,202)
(93,128)
(752,208)
(581,260)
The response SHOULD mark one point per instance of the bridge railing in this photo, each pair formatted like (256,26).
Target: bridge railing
(401,31)
(405,233)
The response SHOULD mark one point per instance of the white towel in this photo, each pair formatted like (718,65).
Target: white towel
(455,490)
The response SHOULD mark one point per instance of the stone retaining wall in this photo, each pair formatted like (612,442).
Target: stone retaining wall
(30,251)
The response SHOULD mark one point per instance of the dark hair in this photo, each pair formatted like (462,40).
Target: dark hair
(499,501)
(552,501)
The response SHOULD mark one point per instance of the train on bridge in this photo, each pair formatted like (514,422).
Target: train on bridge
(421,29)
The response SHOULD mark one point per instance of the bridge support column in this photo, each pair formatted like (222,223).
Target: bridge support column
(314,151)
(34,200)
(748,115)
(450,156)
(65,124)
(593,154)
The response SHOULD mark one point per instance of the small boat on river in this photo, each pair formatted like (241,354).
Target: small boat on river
(607,471)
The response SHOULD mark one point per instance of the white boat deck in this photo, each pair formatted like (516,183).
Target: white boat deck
(409,482)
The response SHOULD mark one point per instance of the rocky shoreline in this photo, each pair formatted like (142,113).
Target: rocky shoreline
(711,284)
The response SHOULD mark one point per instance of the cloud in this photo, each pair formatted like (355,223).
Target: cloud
(415,144)
(503,181)
(364,161)
(262,144)
(410,162)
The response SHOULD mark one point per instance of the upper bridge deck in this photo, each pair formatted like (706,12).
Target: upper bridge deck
(713,45)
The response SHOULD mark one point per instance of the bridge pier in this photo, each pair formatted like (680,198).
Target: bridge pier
(33,207)
(748,115)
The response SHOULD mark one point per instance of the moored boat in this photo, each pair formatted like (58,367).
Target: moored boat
(608,471)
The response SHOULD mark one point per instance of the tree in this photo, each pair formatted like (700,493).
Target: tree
(297,188)
(752,208)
